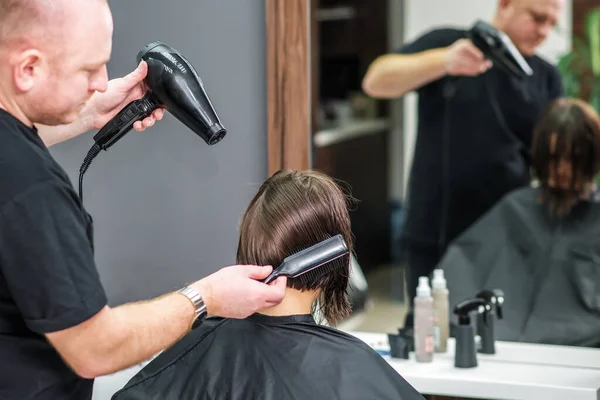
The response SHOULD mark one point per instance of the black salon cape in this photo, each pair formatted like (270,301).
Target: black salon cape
(268,358)
(549,269)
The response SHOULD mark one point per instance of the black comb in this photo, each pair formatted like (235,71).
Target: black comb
(312,262)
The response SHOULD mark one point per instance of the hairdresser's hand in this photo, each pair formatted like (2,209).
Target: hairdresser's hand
(463,58)
(234,292)
(102,107)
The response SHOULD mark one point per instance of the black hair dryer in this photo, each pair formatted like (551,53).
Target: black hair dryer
(498,47)
(173,84)
(486,321)
(465,354)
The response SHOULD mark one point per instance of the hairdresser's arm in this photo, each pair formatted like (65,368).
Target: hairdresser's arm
(394,75)
(117,338)
(102,107)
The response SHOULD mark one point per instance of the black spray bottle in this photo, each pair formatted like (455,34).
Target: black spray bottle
(486,321)
(465,354)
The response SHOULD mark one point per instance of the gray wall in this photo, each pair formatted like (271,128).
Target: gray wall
(166,206)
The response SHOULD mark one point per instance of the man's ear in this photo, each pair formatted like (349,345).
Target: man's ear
(29,67)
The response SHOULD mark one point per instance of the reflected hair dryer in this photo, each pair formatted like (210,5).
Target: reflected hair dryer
(173,84)
(498,47)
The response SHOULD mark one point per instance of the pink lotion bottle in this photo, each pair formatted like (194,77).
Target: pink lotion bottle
(424,340)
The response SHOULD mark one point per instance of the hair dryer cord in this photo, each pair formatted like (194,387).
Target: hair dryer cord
(492,95)
(92,153)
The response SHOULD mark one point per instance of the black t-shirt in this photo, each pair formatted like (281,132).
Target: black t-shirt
(48,278)
(467,155)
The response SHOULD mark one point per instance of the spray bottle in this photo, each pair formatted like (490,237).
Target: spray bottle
(441,311)
(424,346)
(486,321)
(465,354)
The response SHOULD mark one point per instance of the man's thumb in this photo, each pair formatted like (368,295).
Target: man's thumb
(259,272)
(136,76)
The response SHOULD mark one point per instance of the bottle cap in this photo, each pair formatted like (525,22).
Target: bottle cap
(438,281)
(423,290)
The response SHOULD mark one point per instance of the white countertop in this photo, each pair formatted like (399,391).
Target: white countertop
(518,371)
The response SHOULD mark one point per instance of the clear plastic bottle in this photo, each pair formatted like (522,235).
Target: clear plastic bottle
(424,346)
(441,311)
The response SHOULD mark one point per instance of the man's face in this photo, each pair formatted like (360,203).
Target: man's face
(529,22)
(78,69)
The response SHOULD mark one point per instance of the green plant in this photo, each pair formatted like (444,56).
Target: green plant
(580,68)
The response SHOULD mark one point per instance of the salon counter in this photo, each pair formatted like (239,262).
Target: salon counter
(518,371)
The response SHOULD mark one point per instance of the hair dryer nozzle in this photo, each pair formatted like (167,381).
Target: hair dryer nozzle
(216,133)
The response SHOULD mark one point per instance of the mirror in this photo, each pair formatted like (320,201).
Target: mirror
(369,143)
(350,137)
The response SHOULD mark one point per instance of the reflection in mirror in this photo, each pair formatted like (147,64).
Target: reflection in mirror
(351,137)
(368,140)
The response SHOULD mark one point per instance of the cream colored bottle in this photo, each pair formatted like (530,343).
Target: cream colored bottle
(441,311)
(424,343)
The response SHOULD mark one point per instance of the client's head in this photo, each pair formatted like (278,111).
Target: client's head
(294,210)
(566,153)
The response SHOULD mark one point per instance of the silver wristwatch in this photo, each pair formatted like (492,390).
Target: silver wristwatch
(196,299)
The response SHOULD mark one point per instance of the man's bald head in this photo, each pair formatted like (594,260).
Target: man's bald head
(23,21)
(38,22)
(53,56)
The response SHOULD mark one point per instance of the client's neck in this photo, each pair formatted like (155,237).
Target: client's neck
(295,302)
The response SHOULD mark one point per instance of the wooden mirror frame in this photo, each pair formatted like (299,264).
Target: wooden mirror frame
(288,84)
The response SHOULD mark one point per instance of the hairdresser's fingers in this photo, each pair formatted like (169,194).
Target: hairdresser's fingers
(148,122)
(138,126)
(473,62)
(472,67)
(277,291)
(484,66)
(466,68)
(143,124)
(280,283)
(158,114)
(470,49)
(257,271)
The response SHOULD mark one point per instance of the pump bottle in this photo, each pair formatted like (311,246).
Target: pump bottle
(424,346)
(441,311)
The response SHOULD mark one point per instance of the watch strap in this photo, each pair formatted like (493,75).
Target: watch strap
(196,298)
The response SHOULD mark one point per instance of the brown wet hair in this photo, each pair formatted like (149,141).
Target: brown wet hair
(294,210)
(568,131)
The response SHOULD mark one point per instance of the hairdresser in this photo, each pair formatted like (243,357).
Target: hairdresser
(475,124)
(57,332)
